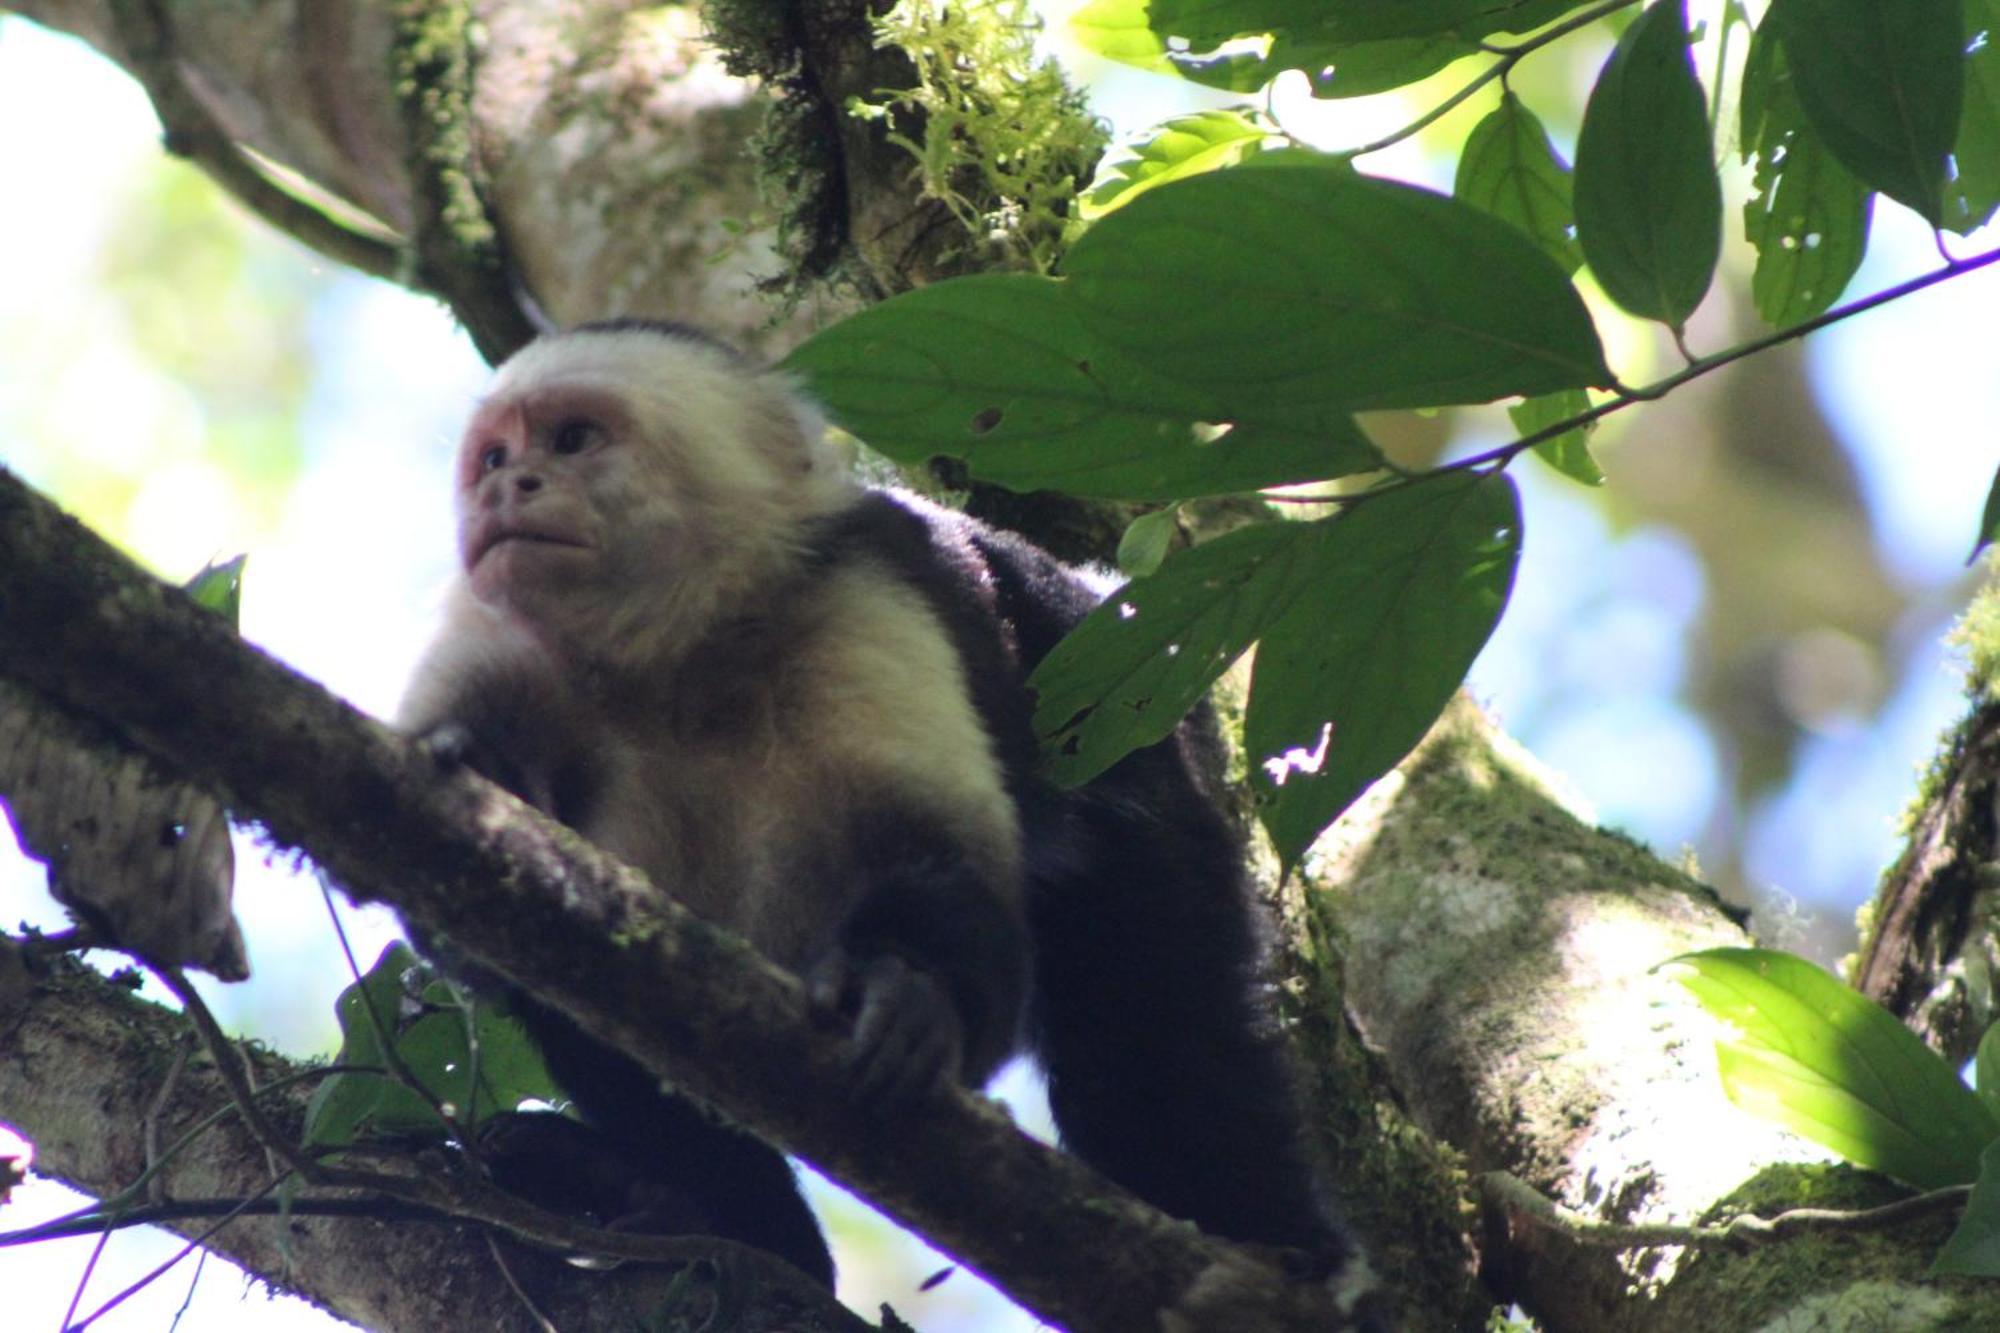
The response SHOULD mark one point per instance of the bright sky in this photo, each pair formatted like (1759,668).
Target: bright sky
(1589,658)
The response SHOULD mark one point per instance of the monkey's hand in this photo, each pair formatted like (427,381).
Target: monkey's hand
(905,1040)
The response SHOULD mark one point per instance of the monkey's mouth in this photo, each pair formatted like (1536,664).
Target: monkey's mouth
(494,540)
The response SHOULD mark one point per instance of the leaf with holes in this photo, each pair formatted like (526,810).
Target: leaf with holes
(1298,283)
(1000,371)
(1130,672)
(1973,193)
(1808,216)
(1398,596)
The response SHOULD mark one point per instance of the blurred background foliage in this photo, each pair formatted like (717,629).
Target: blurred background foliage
(1733,649)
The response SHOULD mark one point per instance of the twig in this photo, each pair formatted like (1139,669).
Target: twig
(1501,1190)
(1626,396)
(230,1068)
(1510,56)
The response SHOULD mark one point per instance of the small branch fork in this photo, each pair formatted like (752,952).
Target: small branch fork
(1516,1197)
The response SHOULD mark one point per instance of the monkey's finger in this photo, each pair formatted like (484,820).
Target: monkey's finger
(830,981)
(905,1040)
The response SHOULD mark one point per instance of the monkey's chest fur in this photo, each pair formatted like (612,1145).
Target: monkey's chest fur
(747,778)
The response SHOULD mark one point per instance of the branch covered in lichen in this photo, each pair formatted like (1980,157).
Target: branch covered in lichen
(456,250)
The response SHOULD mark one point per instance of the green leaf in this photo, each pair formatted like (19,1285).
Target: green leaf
(1293,281)
(1400,595)
(1989,521)
(1831,1064)
(429,1033)
(1186,146)
(1146,541)
(1569,452)
(1808,216)
(1129,673)
(219,588)
(1882,83)
(1648,202)
(999,370)
(1986,1069)
(1387,46)
(1510,169)
(1362,69)
(1973,194)
(1974,1247)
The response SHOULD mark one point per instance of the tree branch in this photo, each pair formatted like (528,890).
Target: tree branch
(548,911)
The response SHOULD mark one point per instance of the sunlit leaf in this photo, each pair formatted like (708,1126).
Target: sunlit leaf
(1974,1247)
(219,588)
(1882,83)
(1808,216)
(1569,452)
(1648,202)
(1186,146)
(1510,169)
(1294,281)
(1829,1063)
(999,370)
(1399,596)
(1127,675)
(1146,541)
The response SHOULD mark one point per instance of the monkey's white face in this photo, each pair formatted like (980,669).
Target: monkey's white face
(618,492)
(550,498)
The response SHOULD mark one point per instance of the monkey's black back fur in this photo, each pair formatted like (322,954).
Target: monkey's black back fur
(1147,1008)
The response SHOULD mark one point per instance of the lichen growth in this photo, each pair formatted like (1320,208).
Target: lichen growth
(999,138)
(1977,636)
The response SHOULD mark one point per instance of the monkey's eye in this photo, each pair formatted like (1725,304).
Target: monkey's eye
(573,436)
(492,458)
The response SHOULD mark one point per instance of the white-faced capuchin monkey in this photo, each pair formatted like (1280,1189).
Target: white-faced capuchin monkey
(797,705)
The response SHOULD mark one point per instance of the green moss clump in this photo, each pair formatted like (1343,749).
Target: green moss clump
(999,138)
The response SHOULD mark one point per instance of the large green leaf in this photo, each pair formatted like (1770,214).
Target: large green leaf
(999,370)
(1809,216)
(1829,1063)
(1882,83)
(1648,202)
(1185,146)
(1295,281)
(1510,169)
(1974,1247)
(1974,190)
(1399,596)
(1130,672)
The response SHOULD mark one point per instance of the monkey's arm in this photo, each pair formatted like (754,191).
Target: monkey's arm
(931,965)
(929,953)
